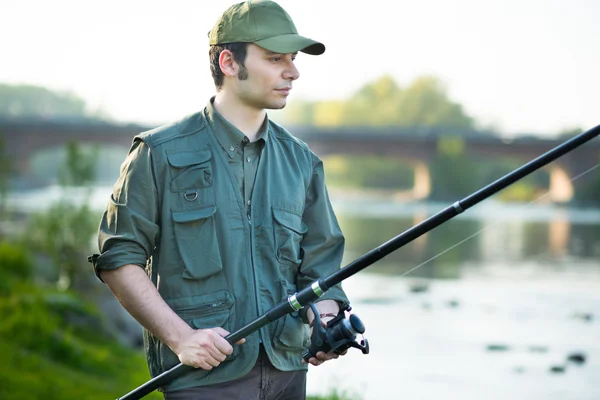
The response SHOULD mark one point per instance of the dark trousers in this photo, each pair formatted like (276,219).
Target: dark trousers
(263,382)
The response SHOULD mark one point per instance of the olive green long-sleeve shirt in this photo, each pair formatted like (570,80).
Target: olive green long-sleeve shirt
(220,251)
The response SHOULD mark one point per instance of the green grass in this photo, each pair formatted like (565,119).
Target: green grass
(53,346)
(29,375)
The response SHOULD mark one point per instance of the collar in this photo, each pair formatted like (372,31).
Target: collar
(229,137)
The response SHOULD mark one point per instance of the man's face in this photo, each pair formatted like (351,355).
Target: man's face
(267,81)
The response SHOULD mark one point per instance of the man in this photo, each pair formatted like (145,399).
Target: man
(228,213)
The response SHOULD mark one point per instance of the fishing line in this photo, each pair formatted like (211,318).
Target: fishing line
(526,205)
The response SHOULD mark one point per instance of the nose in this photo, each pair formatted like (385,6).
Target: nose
(291,72)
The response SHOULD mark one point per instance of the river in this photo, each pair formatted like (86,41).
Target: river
(504,305)
(504,302)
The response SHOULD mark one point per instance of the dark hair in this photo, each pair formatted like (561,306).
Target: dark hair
(238,50)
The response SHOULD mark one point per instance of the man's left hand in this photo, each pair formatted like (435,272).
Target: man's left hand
(322,356)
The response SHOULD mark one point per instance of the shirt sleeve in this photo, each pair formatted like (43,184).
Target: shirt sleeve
(323,243)
(129,227)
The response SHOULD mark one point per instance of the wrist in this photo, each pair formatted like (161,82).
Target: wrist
(178,337)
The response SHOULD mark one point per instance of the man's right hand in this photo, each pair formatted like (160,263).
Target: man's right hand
(205,348)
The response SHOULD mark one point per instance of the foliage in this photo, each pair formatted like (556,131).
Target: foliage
(367,172)
(29,100)
(570,132)
(27,375)
(588,190)
(15,266)
(80,166)
(53,345)
(64,231)
(383,102)
(519,192)
(5,171)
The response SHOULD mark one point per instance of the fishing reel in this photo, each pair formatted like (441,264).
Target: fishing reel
(338,336)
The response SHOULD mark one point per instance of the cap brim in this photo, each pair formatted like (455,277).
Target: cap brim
(291,43)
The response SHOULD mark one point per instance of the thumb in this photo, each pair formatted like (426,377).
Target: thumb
(222,332)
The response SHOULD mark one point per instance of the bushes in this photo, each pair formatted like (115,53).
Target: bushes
(15,264)
(53,345)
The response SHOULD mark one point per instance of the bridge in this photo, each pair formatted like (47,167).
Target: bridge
(416,146)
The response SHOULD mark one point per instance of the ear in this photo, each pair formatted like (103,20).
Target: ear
(228,64)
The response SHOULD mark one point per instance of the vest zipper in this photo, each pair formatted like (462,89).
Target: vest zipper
(249,213)
(256,291)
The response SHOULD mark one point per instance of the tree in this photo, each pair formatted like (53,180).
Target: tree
(80,166)
(25,101)
(5,171)
(63,233)
(425,102)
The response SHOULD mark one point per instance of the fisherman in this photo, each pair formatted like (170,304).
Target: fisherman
(222,215)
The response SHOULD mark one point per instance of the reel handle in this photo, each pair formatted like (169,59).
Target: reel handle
(338,336)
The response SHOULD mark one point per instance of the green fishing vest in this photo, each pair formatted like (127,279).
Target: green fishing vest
(177,211)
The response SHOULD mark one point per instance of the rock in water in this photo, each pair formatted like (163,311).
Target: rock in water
(497,347)
(576,358)
(558,369)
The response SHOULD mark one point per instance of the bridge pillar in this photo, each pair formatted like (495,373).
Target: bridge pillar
(422,184)
(561,188)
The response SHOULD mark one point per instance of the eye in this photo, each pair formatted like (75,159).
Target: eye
(276,59)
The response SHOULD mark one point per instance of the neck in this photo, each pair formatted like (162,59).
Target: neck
(244,117)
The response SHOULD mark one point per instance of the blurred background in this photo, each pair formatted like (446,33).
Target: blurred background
(413,106)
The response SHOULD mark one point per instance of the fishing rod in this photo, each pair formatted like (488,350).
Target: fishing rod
(308,295)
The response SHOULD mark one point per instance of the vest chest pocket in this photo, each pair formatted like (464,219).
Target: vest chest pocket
(196,237)
(288,229)
(190,170)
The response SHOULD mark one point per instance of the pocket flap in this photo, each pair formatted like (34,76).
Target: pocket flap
(186,158)
(193,215)
(199,305)
(290,220)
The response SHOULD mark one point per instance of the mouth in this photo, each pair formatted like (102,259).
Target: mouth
(284,91)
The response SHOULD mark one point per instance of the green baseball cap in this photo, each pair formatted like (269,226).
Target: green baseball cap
(265,24)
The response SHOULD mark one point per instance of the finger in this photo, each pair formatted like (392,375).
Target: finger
(205,366)
(222,332)
(210,349)
(217,356)
(322,356)
(314,361)
(218,340)
(215,352)
(215,361)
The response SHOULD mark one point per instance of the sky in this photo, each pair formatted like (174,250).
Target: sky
(517,66)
